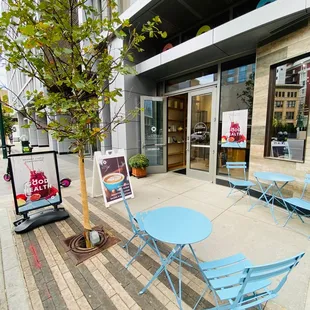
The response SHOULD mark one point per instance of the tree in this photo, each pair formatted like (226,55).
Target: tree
(8,119)
(73,60)
(246,95)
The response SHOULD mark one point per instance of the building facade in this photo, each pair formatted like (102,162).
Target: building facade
(211,92)
(230,79)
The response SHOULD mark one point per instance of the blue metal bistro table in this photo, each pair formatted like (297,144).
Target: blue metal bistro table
(179,226)
(276,190)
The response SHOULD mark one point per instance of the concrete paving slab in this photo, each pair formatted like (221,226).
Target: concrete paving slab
(210,211)
(179,184)
(3,299)
(234,230)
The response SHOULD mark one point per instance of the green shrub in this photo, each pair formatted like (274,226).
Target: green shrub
(138,161)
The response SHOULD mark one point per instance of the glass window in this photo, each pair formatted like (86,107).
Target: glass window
(123,5)
(235,119)
(278,104)
(278,115)
(289,115)
(291,104)
(242,74)
(287,124)
(206,76)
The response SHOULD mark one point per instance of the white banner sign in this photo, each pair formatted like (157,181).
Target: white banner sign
(234,129)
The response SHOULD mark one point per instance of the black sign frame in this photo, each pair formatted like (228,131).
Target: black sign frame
(14,187)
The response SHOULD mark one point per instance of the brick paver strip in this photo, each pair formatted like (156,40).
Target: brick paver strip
(102,282)
(189,297)
(87,283)
(41,277)
(115,270)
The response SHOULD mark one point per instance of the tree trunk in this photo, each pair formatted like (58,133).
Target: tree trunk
(86,223)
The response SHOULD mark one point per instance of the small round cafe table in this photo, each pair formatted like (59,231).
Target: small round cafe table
(179,226)
(273,178)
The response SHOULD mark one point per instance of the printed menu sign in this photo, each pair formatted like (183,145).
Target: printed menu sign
(35,181)
(113,174)
(234,129)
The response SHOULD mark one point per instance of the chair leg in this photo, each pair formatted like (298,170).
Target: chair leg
(231,190)
(201,296)
(126,244)
(300,217)
(289,217)
(140,249)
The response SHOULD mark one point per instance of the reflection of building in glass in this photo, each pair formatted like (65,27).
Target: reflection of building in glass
(238,75)
(293,110)
(286,106)
(233,85)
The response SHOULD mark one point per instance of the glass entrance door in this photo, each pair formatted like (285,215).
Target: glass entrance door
(201,134)
(154,133)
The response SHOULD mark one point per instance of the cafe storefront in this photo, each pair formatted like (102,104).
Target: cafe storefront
(202,120)
(238,92)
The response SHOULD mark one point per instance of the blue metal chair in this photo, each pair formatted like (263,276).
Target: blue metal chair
(299,205)
(235,280)
(242,186)
(137,227)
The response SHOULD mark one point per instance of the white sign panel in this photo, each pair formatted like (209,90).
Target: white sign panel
(111,172)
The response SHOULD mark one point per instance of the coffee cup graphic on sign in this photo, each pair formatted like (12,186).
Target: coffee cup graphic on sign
(113,181)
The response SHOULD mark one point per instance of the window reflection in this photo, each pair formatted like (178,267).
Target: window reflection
(237,86)
(288,129)
(194,79)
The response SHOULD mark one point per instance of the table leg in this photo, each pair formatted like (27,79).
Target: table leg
(263,195)
(180,279)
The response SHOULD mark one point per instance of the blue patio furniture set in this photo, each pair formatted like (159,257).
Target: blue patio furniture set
(298,206)
(233,279)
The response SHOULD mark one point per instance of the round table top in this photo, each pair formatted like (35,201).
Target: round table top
(273,176)
(177,225)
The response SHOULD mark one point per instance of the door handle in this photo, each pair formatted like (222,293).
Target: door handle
(159,144)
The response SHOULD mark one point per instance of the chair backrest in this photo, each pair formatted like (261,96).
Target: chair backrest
(236,165)
(265,273)
(130,215)
(307,181)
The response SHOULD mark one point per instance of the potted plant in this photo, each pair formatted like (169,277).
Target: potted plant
(138,163)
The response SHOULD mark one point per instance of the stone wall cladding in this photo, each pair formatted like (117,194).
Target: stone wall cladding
(289,46)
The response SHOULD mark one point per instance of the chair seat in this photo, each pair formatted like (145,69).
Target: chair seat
(232,292)
(298,202)
(139,217)
(241,183)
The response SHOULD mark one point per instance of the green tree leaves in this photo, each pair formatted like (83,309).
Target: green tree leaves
(73,60)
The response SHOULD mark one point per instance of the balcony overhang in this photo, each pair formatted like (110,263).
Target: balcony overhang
(236,37)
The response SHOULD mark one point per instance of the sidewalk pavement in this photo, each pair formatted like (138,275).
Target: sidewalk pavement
(46,277)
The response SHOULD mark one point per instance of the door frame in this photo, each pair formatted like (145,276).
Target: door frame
(162,168)
(200,174)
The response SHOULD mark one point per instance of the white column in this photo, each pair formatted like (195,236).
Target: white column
(32,133)
(42,135)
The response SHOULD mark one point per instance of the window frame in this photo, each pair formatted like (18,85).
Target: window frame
(270,106)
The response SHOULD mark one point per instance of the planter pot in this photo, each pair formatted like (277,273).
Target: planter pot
(139,172)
